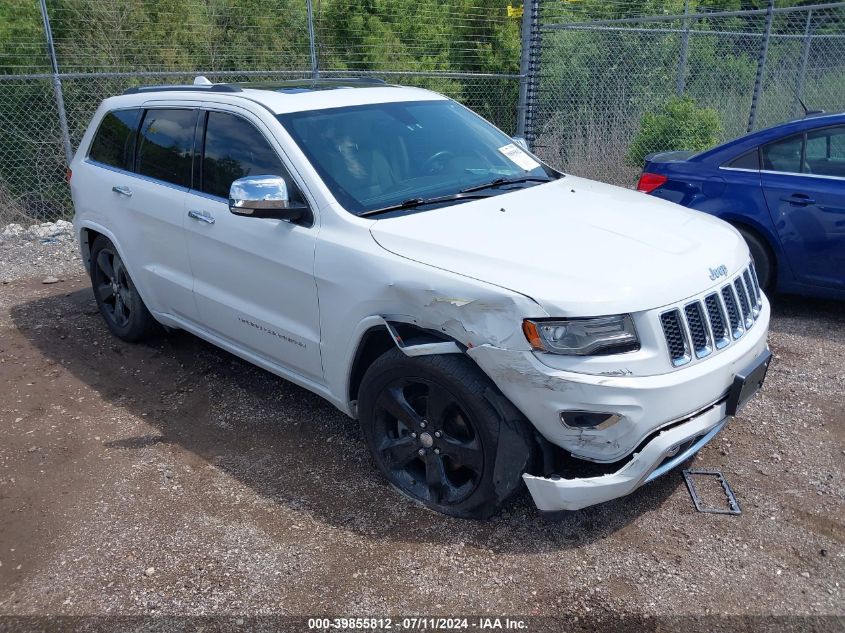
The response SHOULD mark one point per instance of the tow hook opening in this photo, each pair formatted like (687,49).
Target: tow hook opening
(557,463)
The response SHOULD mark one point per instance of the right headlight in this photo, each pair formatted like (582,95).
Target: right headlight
(583,337)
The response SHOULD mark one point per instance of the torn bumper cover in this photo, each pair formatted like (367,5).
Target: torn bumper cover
(656,457)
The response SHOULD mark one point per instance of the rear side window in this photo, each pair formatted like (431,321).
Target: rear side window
(784,155)
(165,145)
(114,142)
(748,160)
(234,148)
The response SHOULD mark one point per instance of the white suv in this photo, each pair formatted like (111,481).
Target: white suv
(487,319)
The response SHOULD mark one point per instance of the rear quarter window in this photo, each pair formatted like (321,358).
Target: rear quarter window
(784,155)
(114,142)
(748,160)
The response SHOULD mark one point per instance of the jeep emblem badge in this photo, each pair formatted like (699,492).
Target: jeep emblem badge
(721,271)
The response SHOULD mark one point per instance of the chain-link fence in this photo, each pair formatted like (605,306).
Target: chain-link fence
(609,91)
(576,78)
(59,59)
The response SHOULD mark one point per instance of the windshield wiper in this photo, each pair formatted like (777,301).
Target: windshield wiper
(498,182)
(412,203)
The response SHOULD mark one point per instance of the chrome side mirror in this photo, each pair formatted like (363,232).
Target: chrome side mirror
(264,197)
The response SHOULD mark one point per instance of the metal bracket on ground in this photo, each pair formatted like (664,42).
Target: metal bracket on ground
(729,494)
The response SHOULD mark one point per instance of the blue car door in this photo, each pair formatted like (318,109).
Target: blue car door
(803,180)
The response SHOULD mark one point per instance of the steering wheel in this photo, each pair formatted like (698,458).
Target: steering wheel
(432,160)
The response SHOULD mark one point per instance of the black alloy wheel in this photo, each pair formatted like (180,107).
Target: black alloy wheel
(427,441)
(117,297)
(112,288)
(442,434)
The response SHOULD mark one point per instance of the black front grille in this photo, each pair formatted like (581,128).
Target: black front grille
(732,309)
(697,328)
(753,292)
(674,333)
(743,299)
(756,281)
(717,322)
(712,323)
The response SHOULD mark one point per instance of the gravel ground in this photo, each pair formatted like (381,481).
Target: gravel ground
(174,478)
(45,250)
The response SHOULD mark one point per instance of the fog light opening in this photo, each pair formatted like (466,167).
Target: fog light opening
(589,419)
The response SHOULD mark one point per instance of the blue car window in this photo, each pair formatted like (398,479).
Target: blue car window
(825,153)
(748,160)
(784,155)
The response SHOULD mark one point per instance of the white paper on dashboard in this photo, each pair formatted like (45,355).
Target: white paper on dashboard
(518,157)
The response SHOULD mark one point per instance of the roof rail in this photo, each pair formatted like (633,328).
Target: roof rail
(323,80)
(178,88)
(317,83)
(357,80)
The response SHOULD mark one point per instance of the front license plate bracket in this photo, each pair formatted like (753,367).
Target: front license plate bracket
(733,504)
(747,382)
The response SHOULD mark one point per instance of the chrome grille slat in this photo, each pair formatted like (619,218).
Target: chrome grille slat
(676,337)
(718,320)
(744,302)
(752,291)
(756,282)
(711,323)
(752,294)
(698,330)
(732,310)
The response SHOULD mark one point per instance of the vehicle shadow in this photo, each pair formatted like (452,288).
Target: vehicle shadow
(791,310)
(285,443)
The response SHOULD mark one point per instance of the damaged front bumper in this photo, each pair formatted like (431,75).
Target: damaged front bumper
(658,420)
(656,457)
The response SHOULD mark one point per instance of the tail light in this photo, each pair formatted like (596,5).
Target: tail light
(68,175)
(649,182)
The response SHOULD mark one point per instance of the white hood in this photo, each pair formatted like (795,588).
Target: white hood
(577,247)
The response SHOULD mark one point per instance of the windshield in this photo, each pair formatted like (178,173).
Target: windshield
(380,155)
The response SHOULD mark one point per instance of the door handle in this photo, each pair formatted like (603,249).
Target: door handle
(202,216)
(799,199)
(123,191)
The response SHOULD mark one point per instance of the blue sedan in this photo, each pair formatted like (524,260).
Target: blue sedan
(783,188)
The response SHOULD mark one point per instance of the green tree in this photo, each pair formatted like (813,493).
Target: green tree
(679,124)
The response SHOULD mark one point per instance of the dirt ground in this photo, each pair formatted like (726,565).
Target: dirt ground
(173,478)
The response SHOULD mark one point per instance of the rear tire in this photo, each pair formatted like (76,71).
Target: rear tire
(117,297)
(763,262)
(442,434)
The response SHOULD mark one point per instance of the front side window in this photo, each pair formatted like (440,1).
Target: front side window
(784,155)
(234,148)
(826,152)
(165,145)
(377,155)
(114,142)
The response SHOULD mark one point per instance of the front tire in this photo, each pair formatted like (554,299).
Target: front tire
(437,437)
(117,297)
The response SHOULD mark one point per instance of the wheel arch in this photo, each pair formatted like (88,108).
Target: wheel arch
(87,236)
(387,333)
(89,232)
(768,240)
